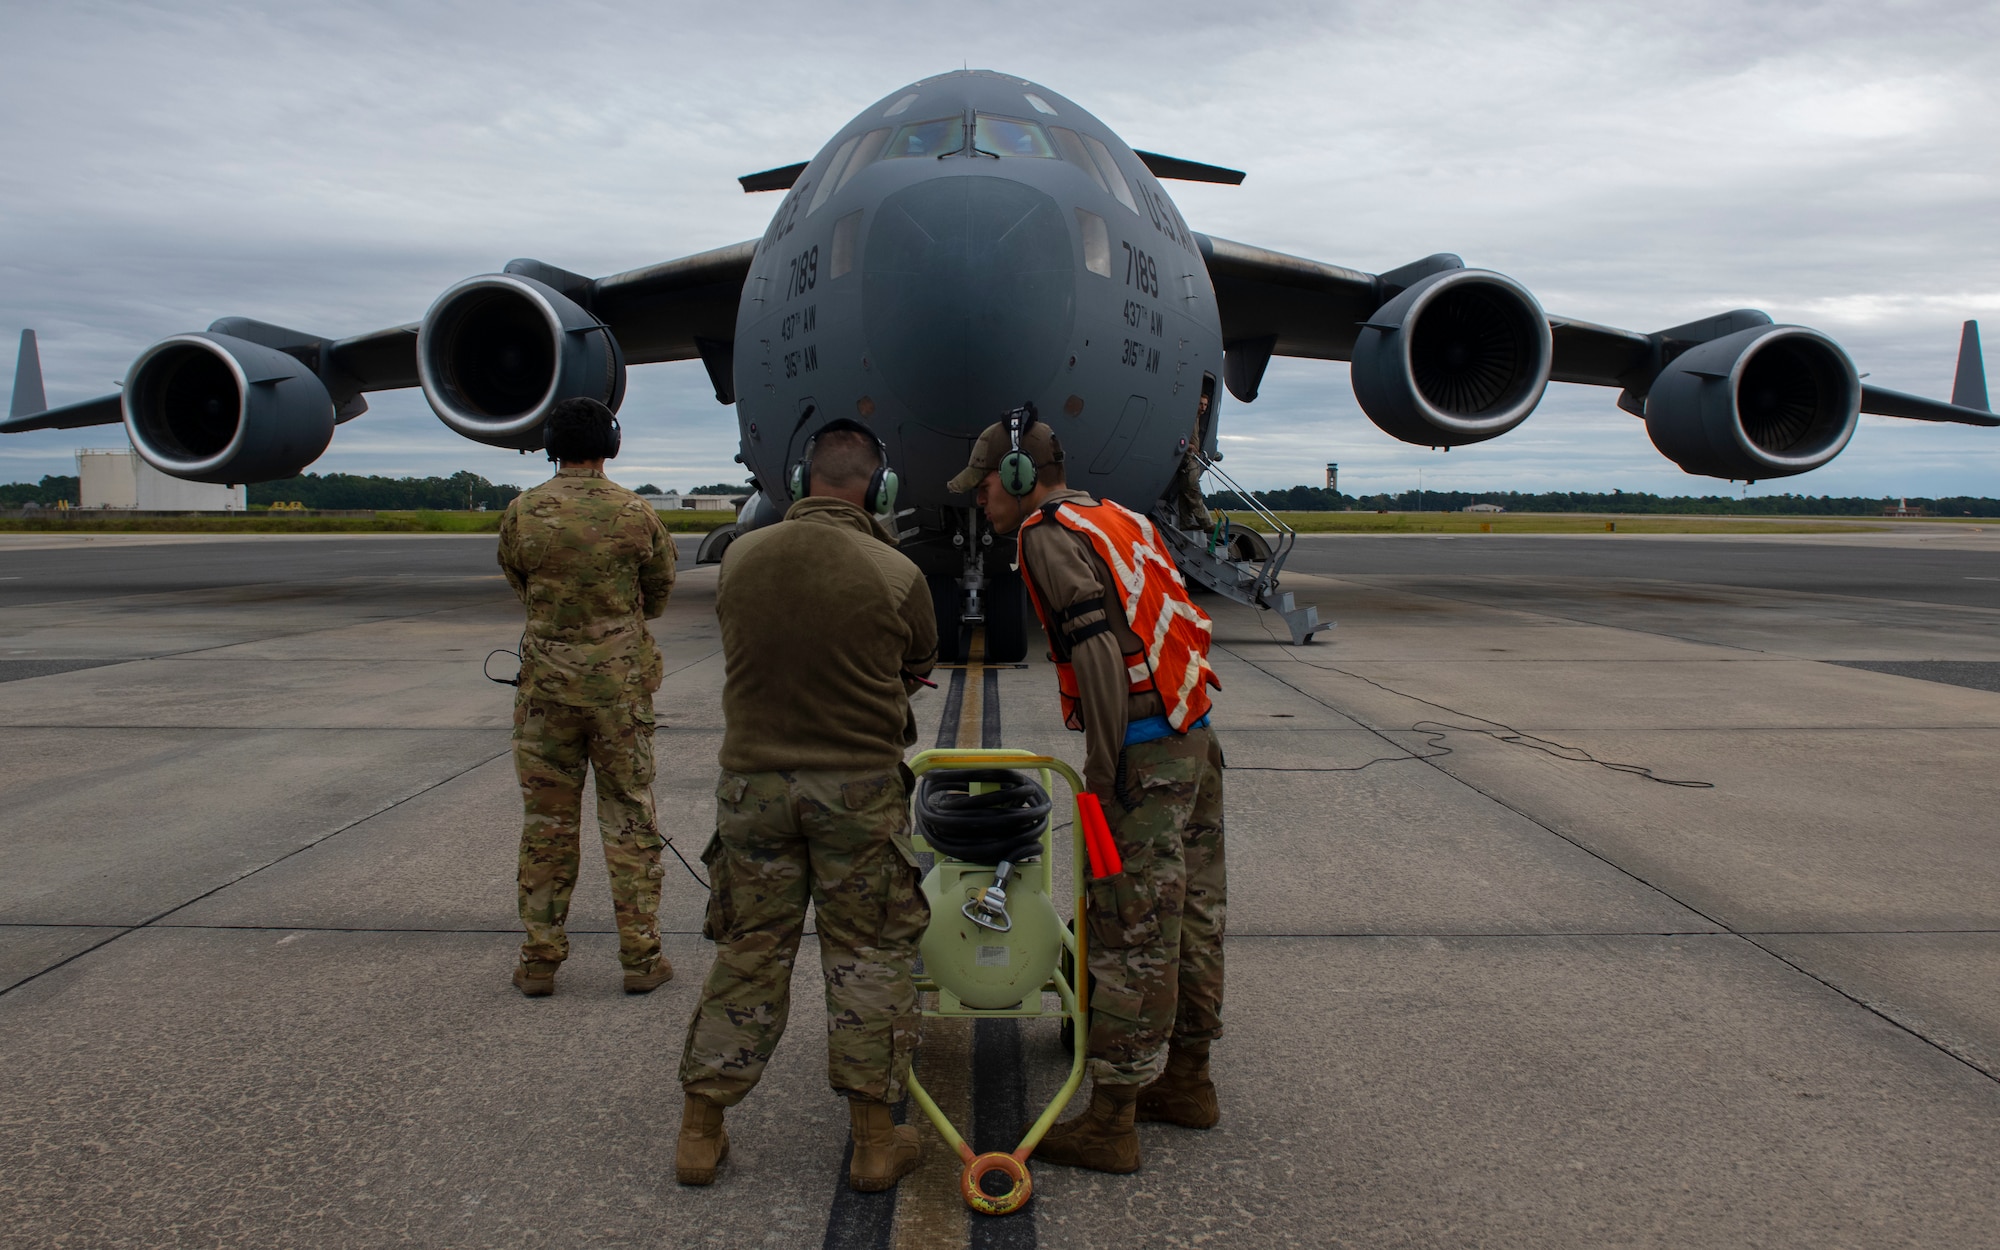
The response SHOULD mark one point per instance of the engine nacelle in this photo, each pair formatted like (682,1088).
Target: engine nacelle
(496,352)
(1765,402)
(215,408)
(1460,357)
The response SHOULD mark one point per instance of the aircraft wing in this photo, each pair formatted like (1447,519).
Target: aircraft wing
(1274,304)
(1302,307)
(681,309)
(1312,309)
(667,311)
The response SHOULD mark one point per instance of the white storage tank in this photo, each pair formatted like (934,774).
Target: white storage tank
(112,478)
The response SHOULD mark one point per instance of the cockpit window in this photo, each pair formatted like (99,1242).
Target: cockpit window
(1112,175)
(867,150)
(932,138)
(1003,136)
(831,178)
(1076,154)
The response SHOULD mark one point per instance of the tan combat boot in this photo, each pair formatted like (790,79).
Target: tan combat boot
(1102,1138)
(646,980)
(884,1151)
(1183,1095)
(704,1143)
(537,979)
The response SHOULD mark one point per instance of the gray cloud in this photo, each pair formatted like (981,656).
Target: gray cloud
(336,167)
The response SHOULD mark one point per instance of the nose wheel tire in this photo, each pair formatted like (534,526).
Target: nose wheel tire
(945,607)
(1006,619)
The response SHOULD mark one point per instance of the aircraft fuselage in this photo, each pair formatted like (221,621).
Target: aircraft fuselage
(965,245)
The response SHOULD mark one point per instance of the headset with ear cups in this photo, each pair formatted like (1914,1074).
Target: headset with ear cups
(1018,469)
(881,492)
(611,445)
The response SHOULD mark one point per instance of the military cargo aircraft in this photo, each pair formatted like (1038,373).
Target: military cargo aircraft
(968,244)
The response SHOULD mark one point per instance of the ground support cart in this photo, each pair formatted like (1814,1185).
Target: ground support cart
(979,958)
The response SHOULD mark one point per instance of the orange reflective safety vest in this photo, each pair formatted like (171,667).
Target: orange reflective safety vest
(1174,632)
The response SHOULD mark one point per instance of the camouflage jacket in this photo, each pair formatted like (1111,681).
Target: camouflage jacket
(591,561)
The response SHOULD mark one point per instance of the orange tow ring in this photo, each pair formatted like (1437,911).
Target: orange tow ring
(979,1200)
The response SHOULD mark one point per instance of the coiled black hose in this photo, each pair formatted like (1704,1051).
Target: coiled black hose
(1003,824)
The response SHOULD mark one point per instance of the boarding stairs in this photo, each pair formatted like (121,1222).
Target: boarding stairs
(1240,562)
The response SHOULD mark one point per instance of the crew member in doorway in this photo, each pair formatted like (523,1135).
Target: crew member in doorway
(825,629)
(1193,509)
(592,563)
(1131,655)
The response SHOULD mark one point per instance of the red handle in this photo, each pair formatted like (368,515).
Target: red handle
(1104,858)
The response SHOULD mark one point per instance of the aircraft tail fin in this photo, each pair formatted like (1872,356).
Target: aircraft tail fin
(1968,386)
(29,397)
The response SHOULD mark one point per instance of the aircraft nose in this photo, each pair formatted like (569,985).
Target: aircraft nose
(969,297)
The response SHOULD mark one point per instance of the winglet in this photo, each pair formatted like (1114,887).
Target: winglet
(1188,171)
(780,179)
(1968,386)
(29,398)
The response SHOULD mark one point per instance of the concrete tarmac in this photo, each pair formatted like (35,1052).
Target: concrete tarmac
(1585,891)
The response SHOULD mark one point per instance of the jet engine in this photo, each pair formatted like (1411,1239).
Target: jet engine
(1459,357)
(215,408)
(496,352)
(1765,402)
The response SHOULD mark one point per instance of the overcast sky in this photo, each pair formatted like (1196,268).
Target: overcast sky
(335,166)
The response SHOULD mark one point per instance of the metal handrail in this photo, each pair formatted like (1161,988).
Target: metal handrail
(1286,536)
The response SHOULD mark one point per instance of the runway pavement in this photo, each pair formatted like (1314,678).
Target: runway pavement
(1585,891)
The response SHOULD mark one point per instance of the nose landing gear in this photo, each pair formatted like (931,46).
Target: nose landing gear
(986,591)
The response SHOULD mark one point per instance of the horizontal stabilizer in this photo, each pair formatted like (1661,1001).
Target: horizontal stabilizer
(30,409)
(28,394)
(104,410)
(1189,171)
(779,179)
(1968,386)
(1886,403)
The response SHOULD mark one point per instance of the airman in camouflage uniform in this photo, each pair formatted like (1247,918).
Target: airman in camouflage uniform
(1156,929)
(825,626)
(1191,507)
(591,562)
(839,837)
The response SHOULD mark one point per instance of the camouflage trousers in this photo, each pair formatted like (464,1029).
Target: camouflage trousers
(553,745)
(1156,929)
(842,840)
(1193,509)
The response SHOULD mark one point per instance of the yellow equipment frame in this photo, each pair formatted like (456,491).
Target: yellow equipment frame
(1074,999)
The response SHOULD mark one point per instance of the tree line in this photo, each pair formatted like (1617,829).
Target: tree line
(720,488)
(339,492)
(1320,499)
(50,491)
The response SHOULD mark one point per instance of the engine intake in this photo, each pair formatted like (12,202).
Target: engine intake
(496,352)
(1766,402)
(1460,357)
(214,408)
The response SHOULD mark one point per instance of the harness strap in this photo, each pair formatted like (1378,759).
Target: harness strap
(1082,632)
